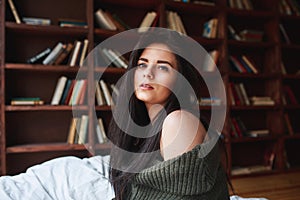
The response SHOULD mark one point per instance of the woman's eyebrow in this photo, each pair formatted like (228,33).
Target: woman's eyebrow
(158,62)
(143,59)
(165,62)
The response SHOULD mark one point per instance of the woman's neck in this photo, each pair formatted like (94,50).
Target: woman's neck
(153,110)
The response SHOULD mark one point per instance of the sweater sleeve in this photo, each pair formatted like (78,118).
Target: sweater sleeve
(188,176)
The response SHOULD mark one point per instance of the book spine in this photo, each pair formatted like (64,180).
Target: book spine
(53,54)
(106,93)
(75,53)
(14,11)
(39,56)
(59,90)
(84,51)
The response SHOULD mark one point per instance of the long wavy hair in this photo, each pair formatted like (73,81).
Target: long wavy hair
(119,137)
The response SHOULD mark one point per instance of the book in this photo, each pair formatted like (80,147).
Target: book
(250,169)
(288,124)
(250,63)
(262,101)
(290,96)
(49,60)
(36,21)
(210,28)
(175,22)
(38,58)
(103,21)
(210,101)
(72,130)
(231,97)
(251,35)
(69,94)
(244,94)
(75,93)
(116,21)
(72,23)
(210,61)
(113,58)
(23,101)
(247,4)
(82,93)
(116,57)
(14,11)
(102,130)
(64,54)
(258,133)
(106,92)
(284,34)
(99,95)
(82,135)
(84,52)
(239,94)
(237,65)
(75,53)
(65,92)
(147,21)
(58,90)
(232,33)
(119,20)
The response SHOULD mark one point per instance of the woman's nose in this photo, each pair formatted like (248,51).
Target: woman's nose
(148,73)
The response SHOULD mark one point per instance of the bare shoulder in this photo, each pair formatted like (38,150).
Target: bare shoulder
(181,132)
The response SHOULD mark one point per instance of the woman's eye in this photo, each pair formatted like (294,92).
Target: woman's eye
(164,68)
(142,65)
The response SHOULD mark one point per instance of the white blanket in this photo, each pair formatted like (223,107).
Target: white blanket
(66,178)
(63,178)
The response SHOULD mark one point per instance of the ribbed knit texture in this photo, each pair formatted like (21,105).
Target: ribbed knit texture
(188,176)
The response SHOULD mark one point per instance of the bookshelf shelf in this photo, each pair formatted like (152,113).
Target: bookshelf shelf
(46,68)
(45,108)
(246,108)
(18,42)
(45,148)
(45,29)
(254,139)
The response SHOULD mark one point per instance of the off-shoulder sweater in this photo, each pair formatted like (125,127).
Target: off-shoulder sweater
(188,176)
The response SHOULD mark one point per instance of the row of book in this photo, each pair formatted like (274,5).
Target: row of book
(238,129)
(43,21)
(243,64)
(289,7)
(110,57)
(69,91)
(239,97)
(106,20)
(248,35)
(174,22)
(78,130)
(72,54)
(104,93)
(241,4)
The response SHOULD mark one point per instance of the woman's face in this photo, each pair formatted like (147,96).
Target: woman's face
(155,74)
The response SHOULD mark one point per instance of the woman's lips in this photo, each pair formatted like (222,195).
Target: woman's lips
(146,86)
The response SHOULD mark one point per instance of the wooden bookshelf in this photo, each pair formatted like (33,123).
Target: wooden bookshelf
(33,134)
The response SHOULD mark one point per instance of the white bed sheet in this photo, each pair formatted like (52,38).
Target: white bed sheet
(65,178)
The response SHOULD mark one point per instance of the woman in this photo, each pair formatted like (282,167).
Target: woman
(156,152)
(161,150)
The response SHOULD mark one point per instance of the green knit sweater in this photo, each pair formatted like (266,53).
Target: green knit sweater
(189,176)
